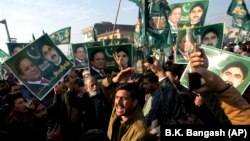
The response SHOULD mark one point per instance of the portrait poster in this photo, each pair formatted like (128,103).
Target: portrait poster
(80,57)
(15,47)
(39,66)
(110,65)
(221,62)
(193,14)
(210,35)
(118,41)
(61,36)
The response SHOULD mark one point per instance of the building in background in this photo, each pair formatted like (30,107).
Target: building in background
(104,30)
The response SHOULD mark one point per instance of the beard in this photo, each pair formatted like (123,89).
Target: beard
(93,92)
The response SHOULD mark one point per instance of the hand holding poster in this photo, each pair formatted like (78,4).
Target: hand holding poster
(39,66)
(232,68)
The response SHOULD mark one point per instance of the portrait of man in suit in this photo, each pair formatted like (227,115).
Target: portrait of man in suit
(98,63)
(80,57)
(29,72)
(174,17)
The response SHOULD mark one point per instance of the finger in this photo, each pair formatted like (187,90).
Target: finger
(195,54)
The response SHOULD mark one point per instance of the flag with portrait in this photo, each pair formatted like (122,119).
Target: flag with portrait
(61,36)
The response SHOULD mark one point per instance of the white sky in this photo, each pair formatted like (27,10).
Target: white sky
(25,17)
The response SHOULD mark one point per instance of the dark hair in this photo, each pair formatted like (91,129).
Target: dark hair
(18,62)
(132,88)
(176,6)
(238,64)
(243,47)
(33,103)
(176,70)
(94,53)
(213,30)
(197,5)
(121,49)
(151,77)
(79,46)
(43,44)
(10,99)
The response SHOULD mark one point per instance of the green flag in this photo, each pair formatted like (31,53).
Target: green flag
(61,36)
(238,10)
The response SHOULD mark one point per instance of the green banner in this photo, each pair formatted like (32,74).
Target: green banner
(61,36)
(152,29)
(231,67)
(39,66)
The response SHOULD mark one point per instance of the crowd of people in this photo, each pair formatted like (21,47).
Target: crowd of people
(127,105)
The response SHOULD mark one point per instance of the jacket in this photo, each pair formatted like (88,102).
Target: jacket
(235,107)
(134,129)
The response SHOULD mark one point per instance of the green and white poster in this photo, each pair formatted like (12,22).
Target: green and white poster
(102,62)
(232,68)
(39,66)
(80,56)
(210,35)
(188,15)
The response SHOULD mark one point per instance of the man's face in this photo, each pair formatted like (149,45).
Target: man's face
(210,39)
(123,57)
(175,15)
(29,71)
(40,112)
(92,87)
(20,106)
(16,50)
(124,104)
(99,60)
(80,53)
(233,76)
(196,14)
(148,86)
(50,54)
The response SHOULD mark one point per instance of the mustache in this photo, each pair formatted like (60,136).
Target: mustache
(120,105)
(53,56)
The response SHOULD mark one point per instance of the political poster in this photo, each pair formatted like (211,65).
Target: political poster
(232,68)
(102,62)
(39,66)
